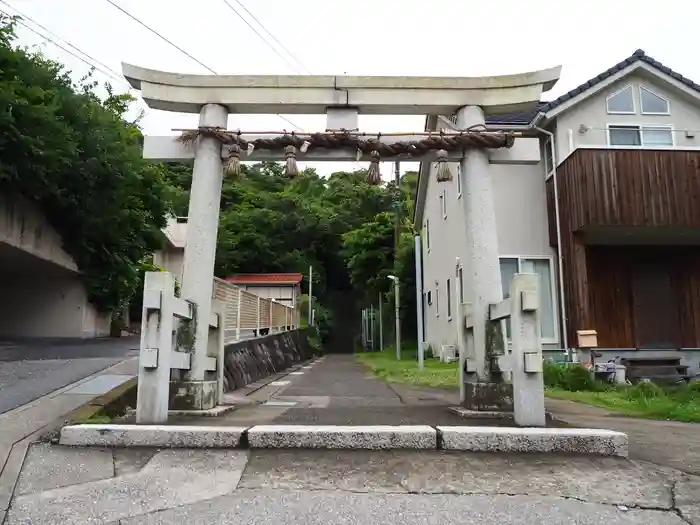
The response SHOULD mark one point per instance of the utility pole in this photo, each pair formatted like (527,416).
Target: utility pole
(397,233)
(381,324)
(311,285)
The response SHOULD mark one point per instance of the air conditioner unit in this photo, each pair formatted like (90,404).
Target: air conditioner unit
(448,353)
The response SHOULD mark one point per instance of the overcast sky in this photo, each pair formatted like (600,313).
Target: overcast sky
(366,37)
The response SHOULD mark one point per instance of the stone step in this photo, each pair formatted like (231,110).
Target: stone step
(372,437)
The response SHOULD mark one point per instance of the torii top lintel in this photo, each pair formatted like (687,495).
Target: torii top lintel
(313,94)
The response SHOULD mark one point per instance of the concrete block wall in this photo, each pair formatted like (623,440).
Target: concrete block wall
(248,361)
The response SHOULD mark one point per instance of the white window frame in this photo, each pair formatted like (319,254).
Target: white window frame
(547,150)
(641,128)
(449,299)
(443,203)
(553,284)
(460,283)
(427,235)
(641,104)
(459,180)
(634,103)
(437,299)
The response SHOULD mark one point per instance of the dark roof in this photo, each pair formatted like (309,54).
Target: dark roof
(266,278)
(521,117)
(638,56)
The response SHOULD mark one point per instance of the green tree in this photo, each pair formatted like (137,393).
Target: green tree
(77,158)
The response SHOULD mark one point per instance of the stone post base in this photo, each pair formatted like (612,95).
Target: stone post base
(193,395)
(488,396)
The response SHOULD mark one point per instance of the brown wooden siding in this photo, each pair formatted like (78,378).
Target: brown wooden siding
(625,188)
(630,188)
(610,293)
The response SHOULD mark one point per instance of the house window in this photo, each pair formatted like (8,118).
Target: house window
(443,204)
(460,283)
(548,159)
(640,135)
(621,102)
(429,295)
(653,104)
(437,299)
(459,180)
(427,234)
(449,300)
(543,268)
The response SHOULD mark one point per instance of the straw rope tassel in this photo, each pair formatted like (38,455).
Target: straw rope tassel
(290,168)
(233,164)
(443,172)
(374,177)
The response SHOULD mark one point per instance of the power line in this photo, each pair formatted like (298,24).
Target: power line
(65,50)
(269,33)
(161,36)
(44,28)
(127,13)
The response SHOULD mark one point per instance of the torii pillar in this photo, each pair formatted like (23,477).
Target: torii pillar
(483,271)
(200,255)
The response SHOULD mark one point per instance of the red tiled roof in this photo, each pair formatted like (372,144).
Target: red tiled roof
(266,278)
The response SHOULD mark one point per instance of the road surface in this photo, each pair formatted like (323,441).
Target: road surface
(29,370)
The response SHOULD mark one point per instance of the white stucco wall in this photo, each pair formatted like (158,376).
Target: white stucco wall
(282,293)
(522,230)
(592,113)
(171,260)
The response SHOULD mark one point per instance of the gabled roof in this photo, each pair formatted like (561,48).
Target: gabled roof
(266,278)
(639,56)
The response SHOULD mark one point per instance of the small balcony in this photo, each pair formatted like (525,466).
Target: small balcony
(628,196)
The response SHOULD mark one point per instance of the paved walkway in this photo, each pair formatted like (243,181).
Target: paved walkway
(74,486)
(336,390)
(670,443)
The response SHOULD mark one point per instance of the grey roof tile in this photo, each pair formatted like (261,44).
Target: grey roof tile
(638,55)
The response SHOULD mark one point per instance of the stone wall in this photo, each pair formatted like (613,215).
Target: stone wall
(254,359)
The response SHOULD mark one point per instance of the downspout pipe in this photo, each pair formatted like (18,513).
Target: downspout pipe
(560,258)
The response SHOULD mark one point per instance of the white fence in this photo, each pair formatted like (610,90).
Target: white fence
(247,315)
(522,364)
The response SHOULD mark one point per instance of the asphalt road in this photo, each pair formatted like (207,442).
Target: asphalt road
(29,370)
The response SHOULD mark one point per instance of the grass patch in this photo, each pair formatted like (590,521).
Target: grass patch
(644,400)
(385,366)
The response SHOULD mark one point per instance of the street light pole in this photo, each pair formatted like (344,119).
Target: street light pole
(397,316)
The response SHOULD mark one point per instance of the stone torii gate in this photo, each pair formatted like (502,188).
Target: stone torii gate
(342,99)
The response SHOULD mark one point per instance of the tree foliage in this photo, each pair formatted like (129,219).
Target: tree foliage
(340,225)
(79,160)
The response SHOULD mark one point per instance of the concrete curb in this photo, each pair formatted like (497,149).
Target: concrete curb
(376,437)
(170,436)
(513,439)
(417,437)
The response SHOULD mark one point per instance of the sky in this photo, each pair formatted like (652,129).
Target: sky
(360,37)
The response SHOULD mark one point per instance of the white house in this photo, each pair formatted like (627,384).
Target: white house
(600,198)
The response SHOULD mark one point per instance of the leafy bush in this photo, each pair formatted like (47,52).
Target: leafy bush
(578,378)
(553,374)
(645,390)
(572,377)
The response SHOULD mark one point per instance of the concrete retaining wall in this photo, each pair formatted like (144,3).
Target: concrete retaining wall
(254,359)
